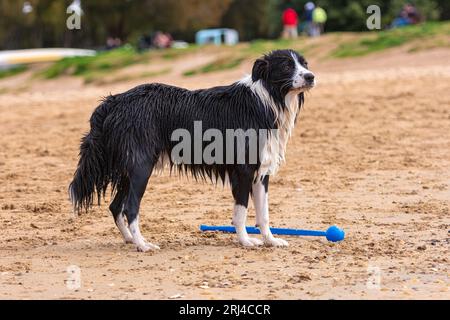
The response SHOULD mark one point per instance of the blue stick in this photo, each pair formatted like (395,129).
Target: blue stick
(333,234)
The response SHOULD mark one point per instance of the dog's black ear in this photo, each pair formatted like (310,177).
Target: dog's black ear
(260,70)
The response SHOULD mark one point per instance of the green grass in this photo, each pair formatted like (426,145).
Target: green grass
(13,71)
(97,65)
(389,39)
(218,65)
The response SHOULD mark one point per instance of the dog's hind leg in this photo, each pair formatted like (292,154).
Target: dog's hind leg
(117,207)
(241,184)
(260,192)
(138,182)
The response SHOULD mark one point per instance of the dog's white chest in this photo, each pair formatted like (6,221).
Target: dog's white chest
(274,150)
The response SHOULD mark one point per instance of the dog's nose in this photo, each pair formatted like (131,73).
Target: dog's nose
(309,77)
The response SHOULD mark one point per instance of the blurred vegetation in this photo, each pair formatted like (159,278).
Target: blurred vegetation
(13,71)
(103,62)
(392,38)
(45,26)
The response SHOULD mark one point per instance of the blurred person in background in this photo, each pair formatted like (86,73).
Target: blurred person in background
(162,40)
(319,17)
(155,40)
(412,14)
(309,25)
(409,15)
(290,23)
(113,43)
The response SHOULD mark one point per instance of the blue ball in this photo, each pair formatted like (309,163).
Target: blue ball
(335,234)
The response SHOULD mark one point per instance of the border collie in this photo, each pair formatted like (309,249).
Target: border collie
(131,137)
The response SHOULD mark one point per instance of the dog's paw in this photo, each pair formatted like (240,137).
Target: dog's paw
(256,242)
(147,247)
(250,242)
(276,242)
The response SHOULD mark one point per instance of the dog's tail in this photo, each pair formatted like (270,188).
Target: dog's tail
(92,176)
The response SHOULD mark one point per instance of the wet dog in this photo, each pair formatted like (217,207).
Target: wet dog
(132,135)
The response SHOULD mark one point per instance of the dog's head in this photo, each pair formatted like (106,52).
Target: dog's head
(283,71)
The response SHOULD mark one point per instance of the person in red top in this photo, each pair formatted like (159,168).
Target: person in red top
(290,23)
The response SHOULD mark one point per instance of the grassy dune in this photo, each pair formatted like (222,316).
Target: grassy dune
(94,69)
(393,38)
(13,71)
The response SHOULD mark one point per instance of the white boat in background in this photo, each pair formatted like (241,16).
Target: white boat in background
(27,56)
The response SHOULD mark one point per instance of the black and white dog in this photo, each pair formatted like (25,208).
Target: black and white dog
(132,135)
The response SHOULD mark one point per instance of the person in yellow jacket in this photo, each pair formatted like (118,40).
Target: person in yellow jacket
(319,20)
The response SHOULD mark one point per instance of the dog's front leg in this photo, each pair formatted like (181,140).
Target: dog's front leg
(239,221)
(261,202)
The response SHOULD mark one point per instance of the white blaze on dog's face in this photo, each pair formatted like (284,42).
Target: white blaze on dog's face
(302,78)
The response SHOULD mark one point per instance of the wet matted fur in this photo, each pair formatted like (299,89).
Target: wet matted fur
(130,138)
